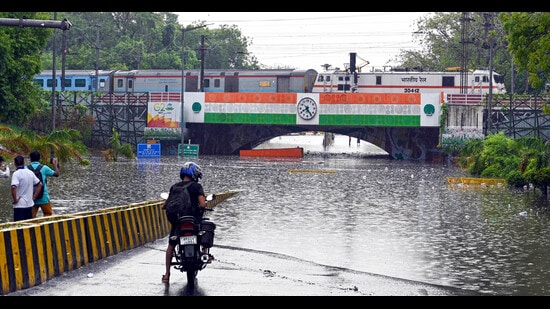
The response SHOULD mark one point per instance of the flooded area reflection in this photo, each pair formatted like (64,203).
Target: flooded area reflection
(388,217)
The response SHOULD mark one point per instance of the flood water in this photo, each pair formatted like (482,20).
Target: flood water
(340,208)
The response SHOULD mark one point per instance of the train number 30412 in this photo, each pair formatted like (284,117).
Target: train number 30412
(412,90)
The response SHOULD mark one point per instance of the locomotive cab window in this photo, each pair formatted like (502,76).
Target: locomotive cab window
(343,87)
(448,81)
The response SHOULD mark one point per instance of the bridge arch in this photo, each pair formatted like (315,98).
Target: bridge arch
(399,143)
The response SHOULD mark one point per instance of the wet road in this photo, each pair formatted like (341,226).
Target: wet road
(341,225)
(235,272)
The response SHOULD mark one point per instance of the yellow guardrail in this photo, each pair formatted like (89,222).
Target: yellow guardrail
(313,171)
(476,181)
(35,250)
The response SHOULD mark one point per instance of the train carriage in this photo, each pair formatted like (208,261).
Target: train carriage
(229,80)
(75,80)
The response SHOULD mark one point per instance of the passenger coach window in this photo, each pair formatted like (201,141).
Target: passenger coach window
(379,80)
(67,82)
(39,82)
(79,82)
(217,83)
(206,83)
(119,83)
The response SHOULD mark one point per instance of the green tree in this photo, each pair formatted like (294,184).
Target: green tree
(534,160)
(529,42)
(66,144)
(117,149)
(147,40)
(228,49)
(449,38)
(520,161)
(20,50)
(499,156)
(469,156)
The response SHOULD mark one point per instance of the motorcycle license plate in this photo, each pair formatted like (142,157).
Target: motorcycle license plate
(188,240)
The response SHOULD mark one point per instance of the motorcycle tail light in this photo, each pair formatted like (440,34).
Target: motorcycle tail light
(186,226)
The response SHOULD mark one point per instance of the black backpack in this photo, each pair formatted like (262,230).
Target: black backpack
(39,175)
(179,203)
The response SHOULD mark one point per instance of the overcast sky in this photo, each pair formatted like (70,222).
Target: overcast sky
(307,40)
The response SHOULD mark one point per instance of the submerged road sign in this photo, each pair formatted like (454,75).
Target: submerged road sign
(189,150)
(148,151)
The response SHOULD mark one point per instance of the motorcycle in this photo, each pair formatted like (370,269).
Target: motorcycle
(188,255)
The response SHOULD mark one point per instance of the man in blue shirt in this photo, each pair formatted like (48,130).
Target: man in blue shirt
(43,203)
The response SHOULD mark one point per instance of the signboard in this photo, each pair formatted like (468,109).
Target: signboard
(148,151)
(189,150)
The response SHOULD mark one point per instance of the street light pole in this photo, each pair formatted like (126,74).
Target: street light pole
(95,84)
(182,123)
(489,26)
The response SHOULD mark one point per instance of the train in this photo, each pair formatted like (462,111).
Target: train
(276,80)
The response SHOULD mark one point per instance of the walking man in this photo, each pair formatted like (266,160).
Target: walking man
(22,185)
(43,203)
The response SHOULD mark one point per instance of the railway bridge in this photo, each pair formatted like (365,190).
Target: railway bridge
(406,126)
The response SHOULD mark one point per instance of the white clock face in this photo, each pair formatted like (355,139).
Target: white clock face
(307,108)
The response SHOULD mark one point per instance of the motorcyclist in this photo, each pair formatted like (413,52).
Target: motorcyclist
(189,172)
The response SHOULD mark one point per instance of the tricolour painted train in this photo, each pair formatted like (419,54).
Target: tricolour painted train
(276,80)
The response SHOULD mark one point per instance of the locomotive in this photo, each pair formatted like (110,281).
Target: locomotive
(406,81)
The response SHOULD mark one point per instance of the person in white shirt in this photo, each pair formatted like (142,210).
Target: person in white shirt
(23,181)
(4,169)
